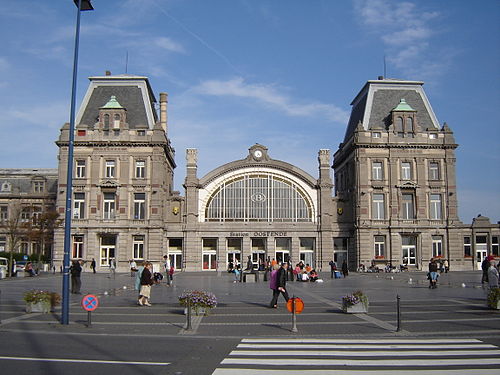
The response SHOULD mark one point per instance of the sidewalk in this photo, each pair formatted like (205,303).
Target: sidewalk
(243,307)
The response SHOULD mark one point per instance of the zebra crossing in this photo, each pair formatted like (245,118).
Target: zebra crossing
(398,356)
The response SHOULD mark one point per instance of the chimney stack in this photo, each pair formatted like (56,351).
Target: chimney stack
(163,110)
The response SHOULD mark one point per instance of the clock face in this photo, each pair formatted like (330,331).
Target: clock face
(257,153)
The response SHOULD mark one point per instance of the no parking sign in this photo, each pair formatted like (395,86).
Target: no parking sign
(90,302)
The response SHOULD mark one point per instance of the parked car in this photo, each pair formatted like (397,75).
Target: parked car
(4,265)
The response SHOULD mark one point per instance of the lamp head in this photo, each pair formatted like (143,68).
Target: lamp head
(84,5)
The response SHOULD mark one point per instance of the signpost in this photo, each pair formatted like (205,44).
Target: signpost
(89,304)
(295,305)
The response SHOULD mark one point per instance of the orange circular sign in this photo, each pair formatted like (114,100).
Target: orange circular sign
(299,305)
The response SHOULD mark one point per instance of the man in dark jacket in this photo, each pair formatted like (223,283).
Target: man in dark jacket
(280,285)
(76,271)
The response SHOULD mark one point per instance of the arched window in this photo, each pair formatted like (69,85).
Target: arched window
(106,121)
(399,126)
(409,126)
(259,197)
(116,122)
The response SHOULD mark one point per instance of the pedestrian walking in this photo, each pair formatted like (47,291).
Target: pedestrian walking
(279,285)
(484,266)
(146,283)
(237,276)
(446,266)
(112,268)
(492,275)
(345,269)
(166,267)
(76,271)
(333,268)
(93,265)
(133,267)
(433,274)
(137,284)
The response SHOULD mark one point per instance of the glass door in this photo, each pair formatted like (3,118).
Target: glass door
(481,249)
(108,249)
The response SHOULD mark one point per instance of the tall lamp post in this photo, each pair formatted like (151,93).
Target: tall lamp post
(81,5)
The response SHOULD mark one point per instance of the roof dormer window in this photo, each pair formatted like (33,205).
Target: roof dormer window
(403,118)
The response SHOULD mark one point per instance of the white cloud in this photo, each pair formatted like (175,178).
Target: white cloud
(168,44)
(269,96)
(407,32)
(48,115)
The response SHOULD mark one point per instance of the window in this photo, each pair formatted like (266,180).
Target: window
(433,136)
(140,169)
(110,168)
(25,214)
(409,127)
(138,251)
(259,197)
(405,170)
(376,135)
(81,133)
(437,246)
(435,207)
(3,243)
(116,121)
(80,169)
(379,246)
(377,171)
(36,214)
(433,171)
(109,206)
(209,254)
(378,211)
(139,206)
(38,186)
(106,121)
(6,186)
(141,133)
(399,127)
(77,247)
(79,206)
(467,246)
(407,208)
(494,246)
(4,212)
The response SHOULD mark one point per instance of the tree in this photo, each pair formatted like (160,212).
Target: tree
(41,229)
(14,228)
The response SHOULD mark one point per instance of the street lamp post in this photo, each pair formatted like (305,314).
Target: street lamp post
(81,5)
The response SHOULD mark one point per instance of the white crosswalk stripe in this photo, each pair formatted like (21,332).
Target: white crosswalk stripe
(397,356)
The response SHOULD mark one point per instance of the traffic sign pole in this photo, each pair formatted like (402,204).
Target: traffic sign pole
(89,318)
(294,317)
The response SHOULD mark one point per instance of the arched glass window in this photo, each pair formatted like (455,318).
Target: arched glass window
(399,126)
(106,121)
(259,197)
(409,125)
(116,122)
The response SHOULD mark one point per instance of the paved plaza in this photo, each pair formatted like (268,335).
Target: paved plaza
(449,327)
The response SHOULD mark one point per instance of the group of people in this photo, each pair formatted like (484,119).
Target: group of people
(145,278)
(305,272)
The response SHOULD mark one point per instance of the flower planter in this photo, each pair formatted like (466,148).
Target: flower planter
(358,308)
(38,307)
(198,311)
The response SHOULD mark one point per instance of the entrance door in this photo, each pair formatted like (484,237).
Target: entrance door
(481,249)
(282,256)
(307,258)
(108,250)
(234,258)
(176,260)
(409,250)
(210,261)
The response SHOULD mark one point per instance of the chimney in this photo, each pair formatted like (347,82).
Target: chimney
(163,110)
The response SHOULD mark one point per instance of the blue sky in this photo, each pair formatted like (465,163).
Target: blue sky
(281,73)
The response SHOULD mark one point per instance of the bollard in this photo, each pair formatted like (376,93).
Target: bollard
(188,315)
(294,317)
(398,304)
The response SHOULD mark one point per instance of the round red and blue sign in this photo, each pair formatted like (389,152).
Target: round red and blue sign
(90,302)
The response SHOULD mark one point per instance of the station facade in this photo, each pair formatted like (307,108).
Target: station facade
(392,199)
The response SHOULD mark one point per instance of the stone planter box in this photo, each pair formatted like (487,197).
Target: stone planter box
(359,308)
(199,311)
(39,307)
